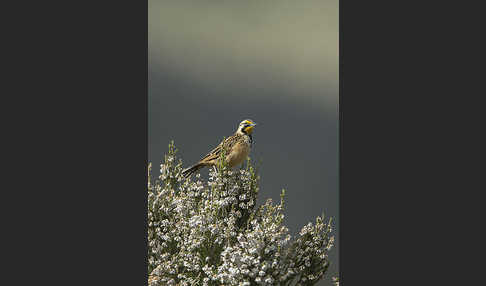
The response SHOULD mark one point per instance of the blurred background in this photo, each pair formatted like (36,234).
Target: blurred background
(214,63)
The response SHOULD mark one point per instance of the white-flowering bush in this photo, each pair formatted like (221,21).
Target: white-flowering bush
(211,233)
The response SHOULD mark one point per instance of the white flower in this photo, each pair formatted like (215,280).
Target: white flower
(200,232)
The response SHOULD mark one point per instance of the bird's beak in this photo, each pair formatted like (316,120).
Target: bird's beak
(253,124)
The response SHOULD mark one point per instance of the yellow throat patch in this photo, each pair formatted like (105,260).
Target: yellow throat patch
(248,129)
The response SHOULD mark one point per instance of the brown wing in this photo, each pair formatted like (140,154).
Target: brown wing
(213,154)
(216,152)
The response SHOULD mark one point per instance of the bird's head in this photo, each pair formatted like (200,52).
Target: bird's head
(246,127)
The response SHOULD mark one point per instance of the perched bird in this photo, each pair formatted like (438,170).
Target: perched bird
(237,147)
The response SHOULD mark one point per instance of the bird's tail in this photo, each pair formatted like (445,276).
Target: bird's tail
(191,170)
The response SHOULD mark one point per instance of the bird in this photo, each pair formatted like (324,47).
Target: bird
(237,148)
